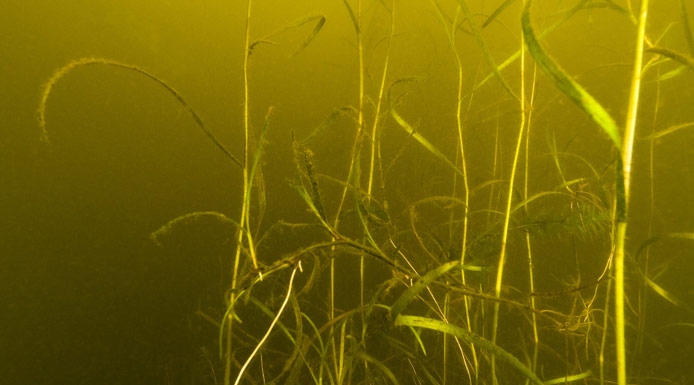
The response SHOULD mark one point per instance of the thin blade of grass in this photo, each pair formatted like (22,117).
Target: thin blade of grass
(497,12)
(654,286)
(419,339)
(673,55)
(485,50)
(648,242)
(568,15)
(380,365)
(572,378)
(352,16)
(414,290)
(190,219)
(669,130)
(496,350)
(258,151)
(687,29)
(681,70)
(347,111)
(272,315)
(667,295)
(298,23)
(86,61)
(561,80)
(422,140)
(314,33)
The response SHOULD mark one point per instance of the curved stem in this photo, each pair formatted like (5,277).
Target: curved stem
(269,330)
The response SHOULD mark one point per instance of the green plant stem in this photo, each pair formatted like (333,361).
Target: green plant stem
(603,339)
(379,103)
(626,159)
(450,33)
(244,208)
(651,216)
(269,330)
(528,244)
(360,122)
(466,186)
(356,150)
(509,204)
(620,238)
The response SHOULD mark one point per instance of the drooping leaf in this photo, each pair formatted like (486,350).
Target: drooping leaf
(89,61)
(422,283)
(422,140)
(485,50)
(569,87)
(478,341)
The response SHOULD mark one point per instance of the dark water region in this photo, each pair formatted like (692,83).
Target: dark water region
(387,210)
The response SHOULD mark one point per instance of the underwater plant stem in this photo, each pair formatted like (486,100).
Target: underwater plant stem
(603,339)
(358,138)
(619,301)
(509,202)
(356,150)
(228,343)
(360,122)
(528,244)
(244,208)
(272,326)
(627,154)
(459,126)
(463,172)
(638,345)
(357,153)
(466,187)
(446,299)
(246,137)
(629,131)
(379,102)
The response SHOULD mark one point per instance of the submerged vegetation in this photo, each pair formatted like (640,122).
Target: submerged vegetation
(508,267)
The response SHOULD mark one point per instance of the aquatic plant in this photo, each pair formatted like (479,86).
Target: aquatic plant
(459,270)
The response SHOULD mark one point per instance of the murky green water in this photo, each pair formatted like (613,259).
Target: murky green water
(336,208)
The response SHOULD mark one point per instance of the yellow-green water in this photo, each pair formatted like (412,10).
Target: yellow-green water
(120,232)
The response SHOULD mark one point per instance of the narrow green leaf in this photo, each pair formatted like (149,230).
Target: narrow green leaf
(648,242)
(669,130)
(440,326)
(425,281)
(687,29)
(314,33)
(497,12)
(352,16)
(673,55)
(191,219)
(347,111)
(256,154)
(567,16)
(485,51)
(561,80)
(681,70)
(666,294)
(380,365)
(572,378)
(422,140)
(649,282)
(320,22)
(419,340)
(88,61)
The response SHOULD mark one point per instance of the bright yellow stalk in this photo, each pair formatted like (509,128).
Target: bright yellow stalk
(627,153)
